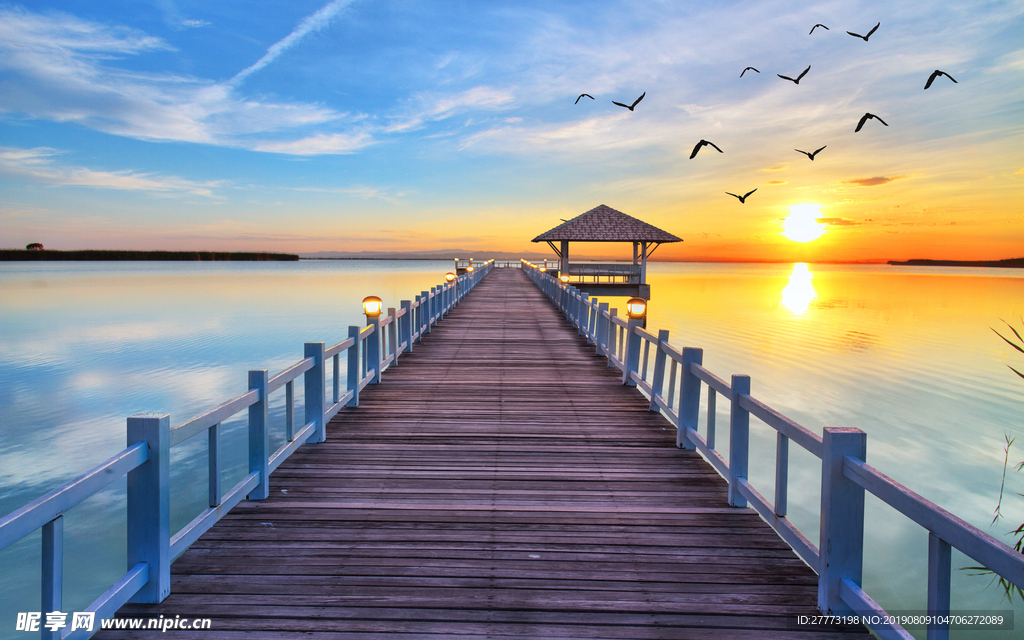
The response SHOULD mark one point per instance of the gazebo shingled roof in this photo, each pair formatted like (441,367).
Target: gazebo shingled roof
(604,224)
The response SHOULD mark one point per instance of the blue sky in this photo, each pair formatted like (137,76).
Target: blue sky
(348,125)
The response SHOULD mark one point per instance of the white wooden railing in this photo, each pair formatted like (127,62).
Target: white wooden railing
(369,350)
(612,271)
(845,476)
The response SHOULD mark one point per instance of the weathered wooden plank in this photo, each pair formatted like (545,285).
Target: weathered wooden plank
(500,483)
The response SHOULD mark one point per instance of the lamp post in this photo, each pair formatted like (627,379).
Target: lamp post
(636,309)
(372,307)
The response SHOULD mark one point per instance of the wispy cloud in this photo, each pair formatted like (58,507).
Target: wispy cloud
(315,22)
(68,74)
(364,193)
(873,182)
(319,144)
(839,222)
(38,165)
(431,107)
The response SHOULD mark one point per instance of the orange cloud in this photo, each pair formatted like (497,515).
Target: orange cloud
(872,182)
(840,222)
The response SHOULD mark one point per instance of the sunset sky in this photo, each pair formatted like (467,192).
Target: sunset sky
(352,125)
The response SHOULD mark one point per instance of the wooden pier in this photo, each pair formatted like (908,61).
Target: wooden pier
(499,482)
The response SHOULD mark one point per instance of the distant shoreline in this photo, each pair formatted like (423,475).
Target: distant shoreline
(22,255)
(1010,263)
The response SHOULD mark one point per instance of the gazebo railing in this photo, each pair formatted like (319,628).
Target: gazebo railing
(614,272)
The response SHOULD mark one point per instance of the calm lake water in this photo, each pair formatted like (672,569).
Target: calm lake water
(908,355)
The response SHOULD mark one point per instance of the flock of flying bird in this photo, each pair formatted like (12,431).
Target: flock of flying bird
(867,116)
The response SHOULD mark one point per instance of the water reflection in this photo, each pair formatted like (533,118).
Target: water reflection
(175,338)
(799,293)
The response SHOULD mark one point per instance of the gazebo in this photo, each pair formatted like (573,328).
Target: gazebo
(604,224)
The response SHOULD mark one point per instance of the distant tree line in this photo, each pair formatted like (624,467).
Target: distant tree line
(1009,263)
(35,251)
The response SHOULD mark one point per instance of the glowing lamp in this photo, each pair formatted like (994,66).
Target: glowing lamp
(469,268)
(372,306)
(564,278)
(636,308)
(449,276)
(543,269)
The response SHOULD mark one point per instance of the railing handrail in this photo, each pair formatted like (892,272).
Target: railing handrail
(146,461)
(845,474)
(24,520)
(601,268)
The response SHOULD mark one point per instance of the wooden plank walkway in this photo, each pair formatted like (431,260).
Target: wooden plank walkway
(501,483)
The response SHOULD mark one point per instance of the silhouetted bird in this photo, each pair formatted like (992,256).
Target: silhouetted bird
(865,38)
(797,81)
(743,199)
(810,155)
(748,69)
(865,118)
(630,106)
(704,143)
(818,25)
(581,95)
(936,74)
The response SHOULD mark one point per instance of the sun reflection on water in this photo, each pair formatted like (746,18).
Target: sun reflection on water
(799,293)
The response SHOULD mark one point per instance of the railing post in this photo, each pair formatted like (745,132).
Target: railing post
(584,314)
(53,570)
(314,383)
(613,336)
(405,329)
(354,369)
(259,434)
(781,474)
(372,352)
(939,558)
(658,381)
(593,317)
(689,398)
(602,329)
(632,355)
(841,545)
(739,440)
(149,505)
(393,336)
(416,324)
(424,313)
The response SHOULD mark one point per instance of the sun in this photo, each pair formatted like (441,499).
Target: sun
(802,224)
